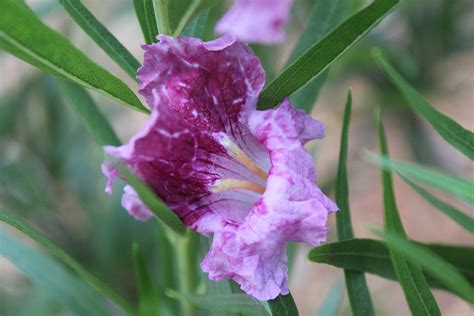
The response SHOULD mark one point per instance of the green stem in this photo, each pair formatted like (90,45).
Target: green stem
(188,279)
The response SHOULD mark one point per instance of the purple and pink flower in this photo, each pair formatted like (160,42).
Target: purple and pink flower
(226,169)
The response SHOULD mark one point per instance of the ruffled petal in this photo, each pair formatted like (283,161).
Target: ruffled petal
(292,208)
(182,166)
(224,168)
(135,207)
(207,84)
(256,21)
(200,93)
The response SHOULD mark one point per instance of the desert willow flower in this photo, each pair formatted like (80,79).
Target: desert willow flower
(226,169)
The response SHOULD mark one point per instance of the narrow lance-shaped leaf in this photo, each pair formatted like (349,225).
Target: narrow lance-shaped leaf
(411,278)
(324,16)
(148,297)
(99,33)
(162,16)
(62,256)
(196,27)
(89,113)
(191,12)
(323,53)
(466,221)
(343,216)
(177,10)
(25,36)
(438,268)
(456,135)
(146,17)
(283,305)
(359,296)
(372,256)
(51,276)
(454,185)
(182,12)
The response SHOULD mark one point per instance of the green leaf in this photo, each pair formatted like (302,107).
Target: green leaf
(456,135)
(283,305)
(51,276)
(357,290)
(323,53)
(343,217)
(306,97)
(62,256)
(372,256)
(459,217)
(89,113)
(146,17)
(196,27)
(324,16)
(409,274)
(106,40)
(25,36)
(456,186)
(332,302)
(223,302)
(432,264)
(161,8)
(148,297)
(150,199)
(176,11)
(191,12)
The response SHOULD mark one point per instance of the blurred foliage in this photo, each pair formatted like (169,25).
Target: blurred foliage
(425,33)
(50,174)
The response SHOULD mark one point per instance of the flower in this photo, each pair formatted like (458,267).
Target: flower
(256,21)
(226,169)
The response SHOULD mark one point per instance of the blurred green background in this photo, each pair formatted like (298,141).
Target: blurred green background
(50,166)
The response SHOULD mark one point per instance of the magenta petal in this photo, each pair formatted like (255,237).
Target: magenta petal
(208,84)
(200,93)
(224,168)
(256,21)
(292,208)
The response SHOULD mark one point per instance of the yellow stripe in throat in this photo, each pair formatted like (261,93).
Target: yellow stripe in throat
(234,184)
(239,155)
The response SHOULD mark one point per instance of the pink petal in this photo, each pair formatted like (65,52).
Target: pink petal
(256,21)
(200,92)
(135,207)
(224,168)
(292,208)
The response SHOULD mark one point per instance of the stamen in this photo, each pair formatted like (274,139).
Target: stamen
(234,184)
(238,154)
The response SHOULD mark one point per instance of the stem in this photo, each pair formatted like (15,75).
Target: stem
(188,279)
